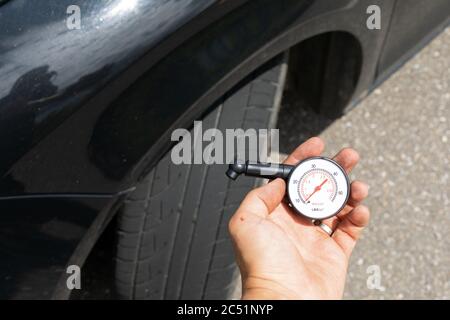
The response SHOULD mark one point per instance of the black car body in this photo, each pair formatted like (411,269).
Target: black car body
(85,114)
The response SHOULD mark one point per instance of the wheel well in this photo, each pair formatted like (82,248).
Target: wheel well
(324,71)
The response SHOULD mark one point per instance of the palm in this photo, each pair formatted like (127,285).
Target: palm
(289,248)
(275,244)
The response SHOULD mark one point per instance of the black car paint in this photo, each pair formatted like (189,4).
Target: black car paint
(86,113)
(48,73)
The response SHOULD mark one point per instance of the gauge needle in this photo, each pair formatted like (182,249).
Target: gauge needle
(316,189)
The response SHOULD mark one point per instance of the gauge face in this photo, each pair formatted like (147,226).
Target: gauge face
(318,188)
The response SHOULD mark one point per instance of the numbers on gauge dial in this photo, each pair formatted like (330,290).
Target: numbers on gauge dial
(317,187)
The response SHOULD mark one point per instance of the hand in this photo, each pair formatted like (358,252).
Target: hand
(282,255)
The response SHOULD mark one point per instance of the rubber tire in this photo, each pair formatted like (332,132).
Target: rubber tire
(172,237)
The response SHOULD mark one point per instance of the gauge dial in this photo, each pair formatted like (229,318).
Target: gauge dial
(318,188)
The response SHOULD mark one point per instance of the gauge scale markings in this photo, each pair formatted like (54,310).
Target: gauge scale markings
(318,188)
(301,186)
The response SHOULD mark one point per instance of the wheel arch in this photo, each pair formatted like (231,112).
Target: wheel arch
(365,47)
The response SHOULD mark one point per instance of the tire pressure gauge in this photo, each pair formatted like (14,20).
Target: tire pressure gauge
(317,187)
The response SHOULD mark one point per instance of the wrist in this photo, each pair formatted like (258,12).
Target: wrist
(257,288)
(262,294)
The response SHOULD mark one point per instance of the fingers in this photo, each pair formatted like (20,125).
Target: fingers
(310,148)
(358,192)
(350,228)
(347,158)
(263,200)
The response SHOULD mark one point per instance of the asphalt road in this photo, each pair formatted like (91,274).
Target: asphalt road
(402,132)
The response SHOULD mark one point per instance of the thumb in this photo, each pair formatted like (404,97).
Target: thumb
(263,200)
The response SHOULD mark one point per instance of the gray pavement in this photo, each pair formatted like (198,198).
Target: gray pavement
(402,132)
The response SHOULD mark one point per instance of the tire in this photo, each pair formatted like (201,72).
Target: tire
(172,234)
